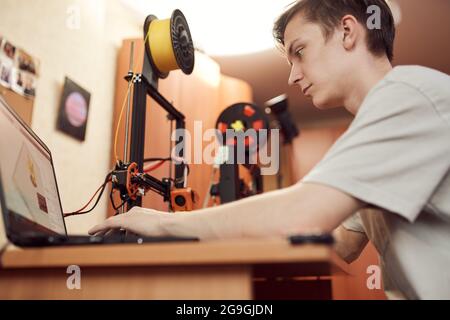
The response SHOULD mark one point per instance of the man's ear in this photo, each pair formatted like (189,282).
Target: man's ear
(351,32)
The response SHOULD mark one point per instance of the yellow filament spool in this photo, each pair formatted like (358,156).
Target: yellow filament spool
(168,44)
(160,44)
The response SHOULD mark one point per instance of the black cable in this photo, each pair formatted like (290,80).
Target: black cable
(108,176)
(180,180)
(113,203)
(112,200)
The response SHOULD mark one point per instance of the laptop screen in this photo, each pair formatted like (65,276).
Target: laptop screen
(28,179)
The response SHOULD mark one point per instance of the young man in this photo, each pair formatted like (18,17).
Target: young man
(391,165)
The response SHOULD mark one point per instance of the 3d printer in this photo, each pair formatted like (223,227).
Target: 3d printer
(168,46)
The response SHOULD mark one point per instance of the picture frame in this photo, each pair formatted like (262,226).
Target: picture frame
(73,110)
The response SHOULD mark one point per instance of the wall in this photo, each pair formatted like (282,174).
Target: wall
(88,56)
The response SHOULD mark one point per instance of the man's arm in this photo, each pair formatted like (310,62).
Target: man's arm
(301,208)
(349,244)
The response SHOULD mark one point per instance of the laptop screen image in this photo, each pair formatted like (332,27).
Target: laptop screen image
(28,182)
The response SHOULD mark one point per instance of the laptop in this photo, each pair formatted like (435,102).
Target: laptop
(29,198)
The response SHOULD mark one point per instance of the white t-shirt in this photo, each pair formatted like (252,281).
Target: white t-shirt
(395,156)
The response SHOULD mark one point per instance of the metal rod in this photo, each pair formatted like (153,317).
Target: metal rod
(179,167)
(138,128)
(127,119)
(170,149)
(170,154)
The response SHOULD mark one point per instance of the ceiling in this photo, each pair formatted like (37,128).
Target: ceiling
(423,38)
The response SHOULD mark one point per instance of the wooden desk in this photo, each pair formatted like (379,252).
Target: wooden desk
(236,269)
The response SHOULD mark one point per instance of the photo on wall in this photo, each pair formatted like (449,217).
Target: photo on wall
(23,79)
(19,71)
(7,57)
(23,83)
(73,110)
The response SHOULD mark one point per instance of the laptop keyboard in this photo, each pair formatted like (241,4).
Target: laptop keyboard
(116,238)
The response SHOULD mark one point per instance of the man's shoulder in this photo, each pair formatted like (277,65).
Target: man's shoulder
(432,83)
(413,70)
(409,88)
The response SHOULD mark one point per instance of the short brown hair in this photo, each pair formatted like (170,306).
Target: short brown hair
(328,14)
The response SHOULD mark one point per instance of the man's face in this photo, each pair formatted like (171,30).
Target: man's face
(317,66)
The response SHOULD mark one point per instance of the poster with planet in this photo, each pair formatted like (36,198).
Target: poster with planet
(73,110)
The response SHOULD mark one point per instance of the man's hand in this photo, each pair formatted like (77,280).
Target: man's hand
(144,222)
(298,209)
